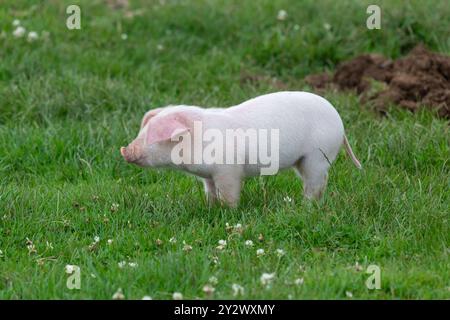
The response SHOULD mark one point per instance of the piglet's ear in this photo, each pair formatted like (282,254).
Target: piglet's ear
(166,128)
(150,114)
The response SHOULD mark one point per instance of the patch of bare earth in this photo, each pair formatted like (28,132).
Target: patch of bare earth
(419,80)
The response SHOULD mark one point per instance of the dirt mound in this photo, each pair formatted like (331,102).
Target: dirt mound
(420,79)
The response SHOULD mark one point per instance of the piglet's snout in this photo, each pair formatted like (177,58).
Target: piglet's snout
(131,153)
(123,152)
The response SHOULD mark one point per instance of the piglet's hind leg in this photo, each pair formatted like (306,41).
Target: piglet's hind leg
(314,173)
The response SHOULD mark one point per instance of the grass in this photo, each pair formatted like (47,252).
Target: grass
(69,102)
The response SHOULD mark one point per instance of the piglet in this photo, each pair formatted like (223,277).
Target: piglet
(260,136)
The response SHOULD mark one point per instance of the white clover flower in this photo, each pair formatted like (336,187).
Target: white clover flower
(215,259)
(114,207)
(213,280)
(299,281)
(266,278)
(237,289)
(260,252)
(282,15)
(177,296)
(118,295)
(238,228)
(208,289)
(31,248)
(94,244)
(19,32)
(122,264)
(349,294)
(222,242)
(280,252)
(147,298)
(110,241)
(32,36)
(124,36)
(96,239)
(327,26)
(173,240)
(186,247)
(249,243)
(16,22)
(132,264)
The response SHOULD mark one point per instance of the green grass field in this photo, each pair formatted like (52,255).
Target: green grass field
(70,99)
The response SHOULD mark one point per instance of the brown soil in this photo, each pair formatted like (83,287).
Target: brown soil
(420,79)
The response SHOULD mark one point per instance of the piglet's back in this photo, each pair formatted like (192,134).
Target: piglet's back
(287,109)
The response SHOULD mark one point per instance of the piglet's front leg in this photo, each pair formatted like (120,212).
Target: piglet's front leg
(228,188)
(210,191)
